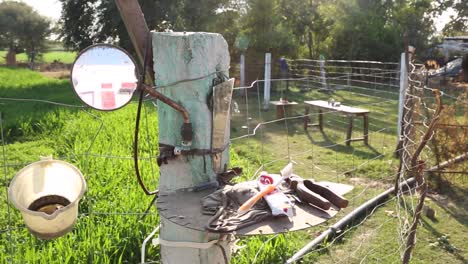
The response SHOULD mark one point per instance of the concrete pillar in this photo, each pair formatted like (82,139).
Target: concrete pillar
(177,57)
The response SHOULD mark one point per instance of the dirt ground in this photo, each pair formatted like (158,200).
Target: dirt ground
(55,70)
(57,74)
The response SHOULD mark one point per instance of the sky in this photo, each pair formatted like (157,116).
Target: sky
(49,8)
(52,9)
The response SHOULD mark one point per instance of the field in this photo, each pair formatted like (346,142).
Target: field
(48,57)
(112,224)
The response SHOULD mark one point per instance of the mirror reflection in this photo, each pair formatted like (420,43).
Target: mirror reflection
(104,77)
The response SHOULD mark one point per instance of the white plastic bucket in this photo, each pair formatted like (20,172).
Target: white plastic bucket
(47,193)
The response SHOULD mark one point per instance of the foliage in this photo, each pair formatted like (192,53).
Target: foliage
(21,28)
(85,22)
(348,29)
(266,29)
(452,133)
(458,24)
(77,23)
(374,30)
(308,22)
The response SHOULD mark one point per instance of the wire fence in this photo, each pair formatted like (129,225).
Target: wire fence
(268,137)
(369,85)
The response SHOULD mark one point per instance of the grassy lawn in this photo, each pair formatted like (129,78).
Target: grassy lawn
(371,169)
(47,57)
(110,228)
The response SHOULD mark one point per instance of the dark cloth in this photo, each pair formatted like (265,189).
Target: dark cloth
(224,203)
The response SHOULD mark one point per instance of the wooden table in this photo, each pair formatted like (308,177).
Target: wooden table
(283,108)
(351,112)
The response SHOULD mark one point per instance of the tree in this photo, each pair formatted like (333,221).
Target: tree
(307,22)
(21,28)
(458,24)
(373,30)
(267,30)
(86,22)
(77,23)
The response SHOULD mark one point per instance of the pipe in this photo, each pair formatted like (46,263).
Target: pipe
(143,246)
(168,101)
(449,162)
(338,226)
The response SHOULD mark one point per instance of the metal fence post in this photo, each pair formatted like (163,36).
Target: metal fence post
(242,74)
(267,83)
(403,85)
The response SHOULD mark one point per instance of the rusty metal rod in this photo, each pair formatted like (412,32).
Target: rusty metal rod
(411,241)
(139,33)
(168,101)
(417,171)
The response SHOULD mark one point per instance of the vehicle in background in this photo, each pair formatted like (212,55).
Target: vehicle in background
(451,70)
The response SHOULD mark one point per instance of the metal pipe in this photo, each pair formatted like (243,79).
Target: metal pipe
(143,246)
(338,226)
(449,162)
(448,172)
(168,101)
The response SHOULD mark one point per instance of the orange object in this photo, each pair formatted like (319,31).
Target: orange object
(249,203)
(286,172)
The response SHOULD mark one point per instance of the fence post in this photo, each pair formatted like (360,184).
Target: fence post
(242,74)
(403,85)
(267,83)
(202,54)
(323,78)
(348,79)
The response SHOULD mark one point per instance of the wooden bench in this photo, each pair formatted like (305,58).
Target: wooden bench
(349,111)
(283,108)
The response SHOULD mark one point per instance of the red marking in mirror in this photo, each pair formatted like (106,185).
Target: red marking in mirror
(106,85)
(108,100)
(128,85)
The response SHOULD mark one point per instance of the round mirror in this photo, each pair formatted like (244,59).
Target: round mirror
(104,77)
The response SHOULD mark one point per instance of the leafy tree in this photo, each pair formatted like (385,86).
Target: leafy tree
(21,28)
(374,30)
(77,23)
(266,28)
(227,23)
(86,22)
(307,22)
(347,29)
(458,24)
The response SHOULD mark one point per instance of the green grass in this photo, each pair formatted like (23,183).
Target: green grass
(47,57)
(21,118)
(104,233)
(61,56)
(100,144)
(324,156)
